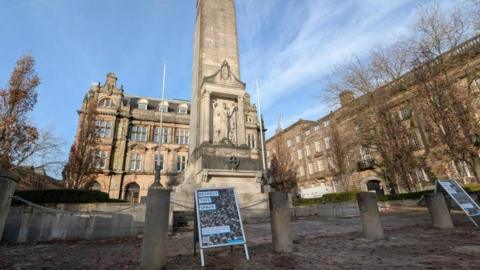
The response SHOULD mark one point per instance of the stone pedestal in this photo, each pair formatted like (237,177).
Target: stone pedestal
(280,222)
(370,216)
(8,181)
(437,207)
(154,249)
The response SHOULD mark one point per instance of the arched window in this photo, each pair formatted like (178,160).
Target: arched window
(142,104)
(106,103)
(183,109)
(132,193)
(94,186)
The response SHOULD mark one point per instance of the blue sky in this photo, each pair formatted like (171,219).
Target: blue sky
(290,45)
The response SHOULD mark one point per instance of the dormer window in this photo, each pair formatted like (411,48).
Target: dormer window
(182,109)
(143,104)
(163,107)
(106,103)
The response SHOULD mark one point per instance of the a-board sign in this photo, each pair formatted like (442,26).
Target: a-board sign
(218,218)
(461,197)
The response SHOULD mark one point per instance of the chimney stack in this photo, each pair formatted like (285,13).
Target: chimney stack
(346,97)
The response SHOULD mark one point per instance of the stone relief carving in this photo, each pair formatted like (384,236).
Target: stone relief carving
(224,120)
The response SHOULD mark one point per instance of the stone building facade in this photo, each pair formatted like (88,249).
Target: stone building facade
(129,127)
(309,142)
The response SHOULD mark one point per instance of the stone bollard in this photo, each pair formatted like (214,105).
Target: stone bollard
(280,222)
(439,214)
(155,232)
(372,226)
(8,181)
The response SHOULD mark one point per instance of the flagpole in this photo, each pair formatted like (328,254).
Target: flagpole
(261,127)
(157,167)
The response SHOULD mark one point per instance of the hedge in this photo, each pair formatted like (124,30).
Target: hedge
(54,196)
(328,198)
(351,196)
(472,188)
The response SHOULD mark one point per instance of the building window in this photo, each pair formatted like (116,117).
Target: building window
(320,165)
(181,136)
(132,193)
(104,128)
(301,171)
(326,123)
(181,163)
(327,142)
(251,140)
(475,86)
(421,175)
(158,162)
(138,134)
(142,104)
(249,119)
(182,109)
(135,162)
(318,146)
(100,159)
(365,153)
(307,132)
(156,135)
(297,139)
(316,128)
(300,154)
(163,107)
(106,103)
(310,168)
(405,113)
(415,142)
(289,143)
(308,151)
(331,164)
(465,170)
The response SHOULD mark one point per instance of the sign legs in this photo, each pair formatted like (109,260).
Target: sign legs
(246,252)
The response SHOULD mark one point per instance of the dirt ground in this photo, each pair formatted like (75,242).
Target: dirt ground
(411,243)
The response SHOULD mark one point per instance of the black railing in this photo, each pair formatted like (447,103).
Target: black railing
(366,164)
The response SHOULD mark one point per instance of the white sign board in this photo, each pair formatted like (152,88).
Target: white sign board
(461,197)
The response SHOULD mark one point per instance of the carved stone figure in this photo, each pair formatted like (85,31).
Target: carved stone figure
(224,122)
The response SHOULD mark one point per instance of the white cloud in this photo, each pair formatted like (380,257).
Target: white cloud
(303,43)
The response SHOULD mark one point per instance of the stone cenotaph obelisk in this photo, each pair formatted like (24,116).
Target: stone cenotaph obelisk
(224,129)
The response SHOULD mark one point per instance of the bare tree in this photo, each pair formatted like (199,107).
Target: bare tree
(282,168)
(446,103)
(82,160)
(339,153)
(17,135)
(379,125)
(44,153)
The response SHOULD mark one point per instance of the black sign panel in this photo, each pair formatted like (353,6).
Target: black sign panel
(464,201)
(218,218)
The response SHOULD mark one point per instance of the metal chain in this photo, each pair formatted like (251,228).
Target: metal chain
(78,213)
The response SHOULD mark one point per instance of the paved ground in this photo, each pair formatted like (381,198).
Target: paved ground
(318,244)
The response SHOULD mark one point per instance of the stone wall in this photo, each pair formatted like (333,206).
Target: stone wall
(26,224)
